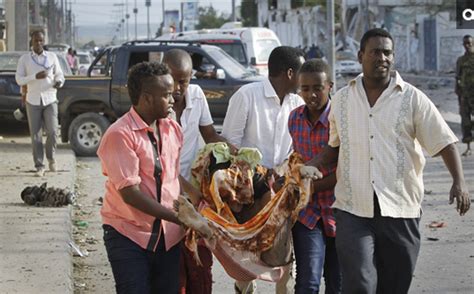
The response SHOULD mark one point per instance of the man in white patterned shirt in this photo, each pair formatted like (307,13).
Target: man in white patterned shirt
(40,70)
(379,125)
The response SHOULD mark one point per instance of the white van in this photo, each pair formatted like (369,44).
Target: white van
(257,43)
(230,43)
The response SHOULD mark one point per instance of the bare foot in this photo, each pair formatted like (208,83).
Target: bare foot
(191,218)
(467,152)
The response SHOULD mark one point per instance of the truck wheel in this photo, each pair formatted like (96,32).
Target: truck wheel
(85,133)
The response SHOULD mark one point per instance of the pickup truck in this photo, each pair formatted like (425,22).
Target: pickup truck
(87,105)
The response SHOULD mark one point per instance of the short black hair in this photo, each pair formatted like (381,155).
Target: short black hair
(178,58)
(35,32)
(316,65)
(140,75)
(374,33)
(282,59)
(467,36)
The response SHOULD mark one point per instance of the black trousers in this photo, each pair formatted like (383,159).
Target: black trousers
(467,110)
(376,255)
(138,271)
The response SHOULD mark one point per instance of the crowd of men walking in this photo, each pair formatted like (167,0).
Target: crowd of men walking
(367,140)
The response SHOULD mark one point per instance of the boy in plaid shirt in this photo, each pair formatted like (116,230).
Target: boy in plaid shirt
(315,231)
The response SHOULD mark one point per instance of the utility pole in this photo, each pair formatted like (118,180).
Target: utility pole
(181,23)
(148,4)
(135,11)
(343,24)
(62,36)
(68,23)
(331,42)
(36,15)
(127,16)
(16,16)
(162,16)
(74,31)
(51,9)
(121,24)
(234,17)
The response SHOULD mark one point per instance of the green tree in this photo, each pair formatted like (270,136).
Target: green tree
(248,12)
(208,18)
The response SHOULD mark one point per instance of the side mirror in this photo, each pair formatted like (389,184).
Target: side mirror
(220,74)
(253,61)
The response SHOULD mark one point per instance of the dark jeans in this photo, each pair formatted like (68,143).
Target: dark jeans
(313,252)
(138,271)
(376,255)
(467,109)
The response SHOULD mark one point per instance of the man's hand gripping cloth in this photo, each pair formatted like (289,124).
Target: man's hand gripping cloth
(241,248)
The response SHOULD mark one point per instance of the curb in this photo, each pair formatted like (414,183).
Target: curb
(34,241)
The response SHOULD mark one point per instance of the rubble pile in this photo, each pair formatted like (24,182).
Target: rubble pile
(42,196)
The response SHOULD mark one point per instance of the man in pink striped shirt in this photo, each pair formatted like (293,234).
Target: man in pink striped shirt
(140,156)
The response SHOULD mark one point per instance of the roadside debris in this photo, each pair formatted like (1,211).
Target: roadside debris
(42,196)
(437,225)
(77,251)
(81,224)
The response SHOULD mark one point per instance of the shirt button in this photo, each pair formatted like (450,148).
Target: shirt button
(370,115)
(373,182)
(371,158)
(158,158)
(371,137)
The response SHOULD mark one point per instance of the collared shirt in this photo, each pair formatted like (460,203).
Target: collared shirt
(380,147)
(195,114)
(256,119)
(309,140)
(127,158)
(40,92)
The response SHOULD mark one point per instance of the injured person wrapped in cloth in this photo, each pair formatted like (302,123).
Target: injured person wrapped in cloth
(248,210)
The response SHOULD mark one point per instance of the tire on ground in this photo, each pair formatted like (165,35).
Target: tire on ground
(85,133)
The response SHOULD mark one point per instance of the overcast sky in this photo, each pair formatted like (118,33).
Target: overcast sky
(102,12)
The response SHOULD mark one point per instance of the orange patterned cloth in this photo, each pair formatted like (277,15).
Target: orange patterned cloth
(238,247)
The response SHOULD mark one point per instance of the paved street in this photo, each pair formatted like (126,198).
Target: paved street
(35,256)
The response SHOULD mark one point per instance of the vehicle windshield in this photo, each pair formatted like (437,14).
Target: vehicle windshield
(263,48)
(236,50)
(8,62)
(230,65)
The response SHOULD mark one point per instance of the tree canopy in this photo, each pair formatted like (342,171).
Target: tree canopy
(208,18)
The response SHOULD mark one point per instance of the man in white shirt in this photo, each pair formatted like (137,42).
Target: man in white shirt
(192,113)
(41,72)
(378,127)
(257,117)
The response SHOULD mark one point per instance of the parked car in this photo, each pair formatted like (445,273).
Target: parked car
(10,98)
(347,63)
(84,61)
(57,47)
(87,105)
